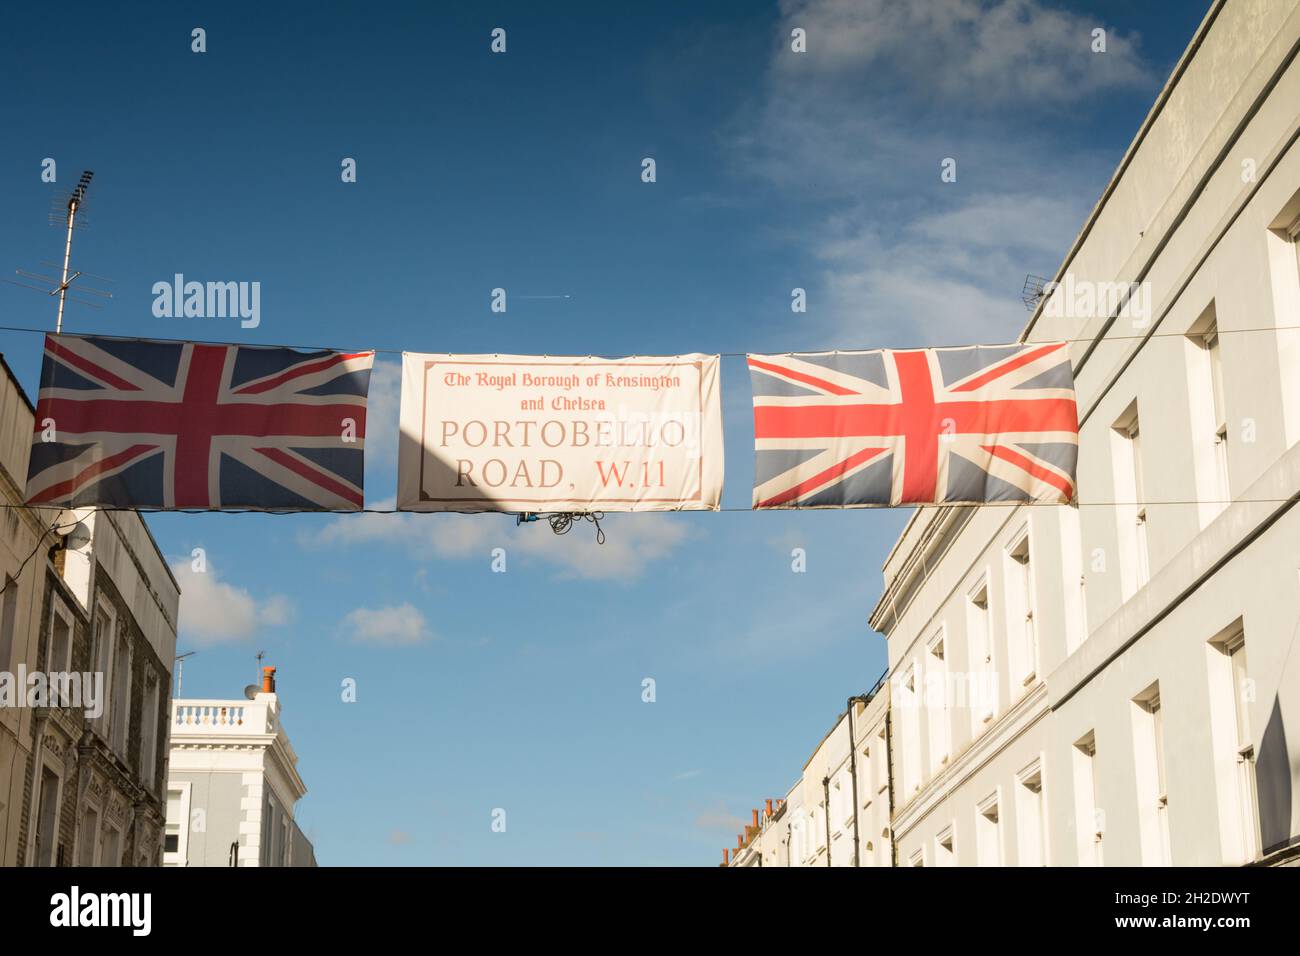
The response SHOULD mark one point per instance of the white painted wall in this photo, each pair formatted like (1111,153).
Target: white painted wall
(1220,251)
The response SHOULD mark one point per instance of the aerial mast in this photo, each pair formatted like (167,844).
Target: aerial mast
(74,201)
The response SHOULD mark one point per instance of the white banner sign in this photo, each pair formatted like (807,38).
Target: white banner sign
(529,433)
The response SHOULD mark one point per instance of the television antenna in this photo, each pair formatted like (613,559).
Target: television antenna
(1033,291)
(180,670)
(64,211)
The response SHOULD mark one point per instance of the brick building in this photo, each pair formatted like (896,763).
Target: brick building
(89,598)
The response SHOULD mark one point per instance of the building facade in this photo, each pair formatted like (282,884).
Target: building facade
(1117,682)
(233,785)
(21,577)
(88,612)
(816,824)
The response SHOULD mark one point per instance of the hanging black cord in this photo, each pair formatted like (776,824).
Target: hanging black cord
(562,522)
(39,542)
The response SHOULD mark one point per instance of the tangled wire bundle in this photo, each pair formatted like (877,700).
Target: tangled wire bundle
(562,521)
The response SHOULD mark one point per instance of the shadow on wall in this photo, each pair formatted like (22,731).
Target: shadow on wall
(1273,778)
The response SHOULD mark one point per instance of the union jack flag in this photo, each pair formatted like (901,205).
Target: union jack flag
(922,426)
(183,425)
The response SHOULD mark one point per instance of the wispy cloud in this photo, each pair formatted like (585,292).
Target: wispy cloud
(214,612)
(632,541)
(972,51)
(397,625)
(718,818)
(852,134)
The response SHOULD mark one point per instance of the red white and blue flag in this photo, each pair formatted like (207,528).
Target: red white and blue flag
(917,426)
(184,425)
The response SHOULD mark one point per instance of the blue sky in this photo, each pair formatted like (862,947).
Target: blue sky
(776,170)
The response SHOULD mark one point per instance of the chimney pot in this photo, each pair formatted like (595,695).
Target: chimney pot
(726,855)
(755,824)
(769,808)
(268,680)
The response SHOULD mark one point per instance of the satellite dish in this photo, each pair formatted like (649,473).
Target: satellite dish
(78,537)
(251,691)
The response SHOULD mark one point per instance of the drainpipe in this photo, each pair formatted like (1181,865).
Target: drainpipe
(889,766)
(826,813)
(853,776)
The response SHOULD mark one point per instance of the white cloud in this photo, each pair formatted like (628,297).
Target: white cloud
(976,51)
(632,541)
(397,625)
(945,277)
(854,132)
(214,612)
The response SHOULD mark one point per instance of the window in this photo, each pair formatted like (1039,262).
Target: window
(110,846)
(866,777)
(1089,818)
(102,661)
(121,680)
(1075,606)
(1231,694)
(88,839)
(797,840)
(149,717)
(882,762)
(8,620)
(1021,637)
(268,830)
(936,701)
(1130,501)
(1210,342)
(910,715)
(943,853)
(176,835)
(841,803)
(58,647)
(1209,415)
(983,684)
(1153,795)
(988,834)
(47,818)
(1031,816)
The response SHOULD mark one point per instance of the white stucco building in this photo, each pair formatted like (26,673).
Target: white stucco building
(815,825)
(1118,683)
(233,785)
(1139,652)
